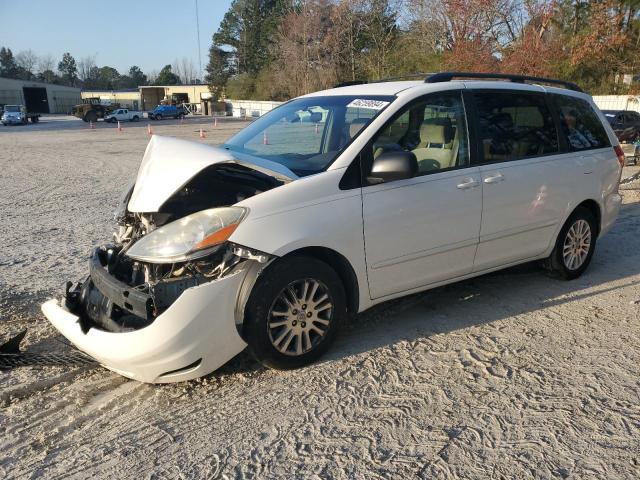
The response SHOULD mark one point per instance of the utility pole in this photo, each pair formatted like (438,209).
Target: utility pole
(198,34)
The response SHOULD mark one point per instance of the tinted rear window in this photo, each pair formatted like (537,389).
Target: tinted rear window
(580,124)
(514,125)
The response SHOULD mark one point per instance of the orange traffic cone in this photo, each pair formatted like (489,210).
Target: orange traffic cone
(202,135)
(265,139)
(149,131)
(119,126)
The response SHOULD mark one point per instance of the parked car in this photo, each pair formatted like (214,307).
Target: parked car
(18,115)
(167,111)
(273,239)
(625,124)
(123,114)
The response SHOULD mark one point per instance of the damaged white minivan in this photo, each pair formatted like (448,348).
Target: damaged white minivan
(334,202)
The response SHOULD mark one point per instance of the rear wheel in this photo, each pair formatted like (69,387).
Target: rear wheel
(135,118)
(158,116)
(91,116)
(574,247)
(294,312)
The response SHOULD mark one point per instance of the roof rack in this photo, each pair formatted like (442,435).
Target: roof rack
(448,76)
(350,82)
(388,79)
(402,77)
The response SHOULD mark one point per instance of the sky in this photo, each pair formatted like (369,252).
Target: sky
(120,33)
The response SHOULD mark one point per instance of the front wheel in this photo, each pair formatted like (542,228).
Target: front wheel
(294,312)
(574,247)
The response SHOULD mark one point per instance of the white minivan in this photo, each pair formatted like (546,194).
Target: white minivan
(334,202)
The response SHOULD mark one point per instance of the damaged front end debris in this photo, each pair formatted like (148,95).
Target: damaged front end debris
(12,357)
(164,300)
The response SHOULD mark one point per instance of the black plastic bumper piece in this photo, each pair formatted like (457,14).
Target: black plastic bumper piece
(127,298)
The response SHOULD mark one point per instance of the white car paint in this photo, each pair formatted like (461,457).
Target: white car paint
(169,163)
(398,238)
(123,114)
(198,329)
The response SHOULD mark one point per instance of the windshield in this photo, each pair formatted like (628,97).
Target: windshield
(12,108)
(307,134)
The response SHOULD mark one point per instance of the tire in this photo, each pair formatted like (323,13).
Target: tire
(270,343)
(180,116)
(135,118)
(91,116)
(157,116)
(35,119)
(562,266)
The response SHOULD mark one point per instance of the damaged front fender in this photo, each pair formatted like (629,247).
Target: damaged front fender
(196,335)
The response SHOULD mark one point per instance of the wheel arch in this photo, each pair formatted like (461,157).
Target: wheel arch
(595,210)
(342,267)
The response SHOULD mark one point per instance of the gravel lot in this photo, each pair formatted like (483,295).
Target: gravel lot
(510,375)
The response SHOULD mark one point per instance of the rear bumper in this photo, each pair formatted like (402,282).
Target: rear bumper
(612,204)
(196,335)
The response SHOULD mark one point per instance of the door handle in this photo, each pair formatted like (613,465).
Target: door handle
(498,177)
(468,182)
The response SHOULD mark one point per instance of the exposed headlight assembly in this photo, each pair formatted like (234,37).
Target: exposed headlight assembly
(188,238)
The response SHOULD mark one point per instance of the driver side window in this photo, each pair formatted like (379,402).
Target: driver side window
(433,128)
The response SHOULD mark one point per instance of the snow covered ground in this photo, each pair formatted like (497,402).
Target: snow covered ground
(510,375)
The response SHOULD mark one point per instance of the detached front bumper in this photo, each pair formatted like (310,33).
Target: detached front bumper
(194,336)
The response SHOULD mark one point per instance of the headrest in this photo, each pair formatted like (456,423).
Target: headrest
(503,120)
(436,131)
(356,125)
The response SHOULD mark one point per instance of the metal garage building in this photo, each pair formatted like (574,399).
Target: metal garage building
(38,97)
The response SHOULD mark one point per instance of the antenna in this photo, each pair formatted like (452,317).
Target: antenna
(198,34)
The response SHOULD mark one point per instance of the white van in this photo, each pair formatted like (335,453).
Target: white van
(273,239)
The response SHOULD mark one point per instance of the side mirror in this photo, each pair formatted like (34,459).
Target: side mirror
(392,166)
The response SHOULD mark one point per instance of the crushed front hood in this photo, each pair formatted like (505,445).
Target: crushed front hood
(169,163)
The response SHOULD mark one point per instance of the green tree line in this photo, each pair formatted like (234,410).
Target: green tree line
(85,73)
(279,49)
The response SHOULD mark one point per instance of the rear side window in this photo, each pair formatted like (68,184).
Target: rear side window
(580,124)
(514,125)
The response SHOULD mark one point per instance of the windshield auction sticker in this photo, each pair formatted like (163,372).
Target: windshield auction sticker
(371,104)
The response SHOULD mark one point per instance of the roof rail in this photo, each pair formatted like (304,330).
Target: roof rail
(448,76)
(350,82)
(388,79)
(402,77)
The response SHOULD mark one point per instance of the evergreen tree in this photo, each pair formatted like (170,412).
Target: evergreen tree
(8,66)
(68,69)
(167,77)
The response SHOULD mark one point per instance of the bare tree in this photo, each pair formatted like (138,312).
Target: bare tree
(46,63)
(28,60)
(152,76)
(305,59)
(85,67)
(185,69)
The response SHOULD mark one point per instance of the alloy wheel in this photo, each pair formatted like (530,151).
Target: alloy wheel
(577,244)
(300,316)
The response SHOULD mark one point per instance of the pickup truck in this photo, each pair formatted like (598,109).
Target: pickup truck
(17,114)
(167,111)
(122,114)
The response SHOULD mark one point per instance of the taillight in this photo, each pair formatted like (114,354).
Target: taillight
(620,155)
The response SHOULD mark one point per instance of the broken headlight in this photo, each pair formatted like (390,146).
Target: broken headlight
(188,238)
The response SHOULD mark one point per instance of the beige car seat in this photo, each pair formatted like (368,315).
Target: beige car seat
(436,148)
